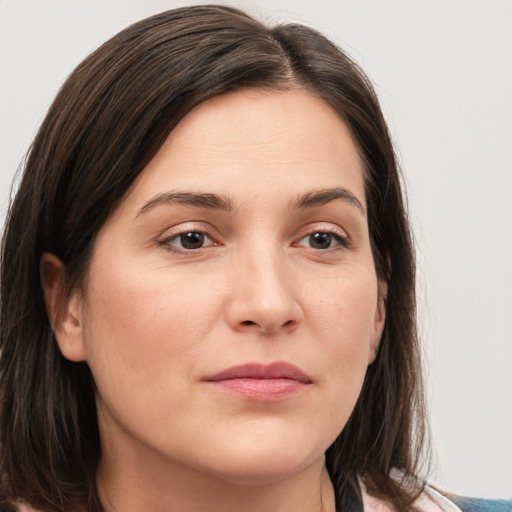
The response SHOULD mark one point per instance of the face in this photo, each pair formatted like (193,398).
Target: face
(232,302)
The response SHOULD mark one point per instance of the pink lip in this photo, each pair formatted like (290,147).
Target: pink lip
(259,382)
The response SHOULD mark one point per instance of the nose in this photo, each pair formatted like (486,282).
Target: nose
(263,295)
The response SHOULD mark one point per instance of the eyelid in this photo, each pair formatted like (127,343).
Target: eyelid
(187,227)
(322,227)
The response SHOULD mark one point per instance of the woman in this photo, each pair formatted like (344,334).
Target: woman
(208,283)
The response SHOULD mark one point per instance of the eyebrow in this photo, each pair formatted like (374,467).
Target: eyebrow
(210,201)
(310,199)
(321,197)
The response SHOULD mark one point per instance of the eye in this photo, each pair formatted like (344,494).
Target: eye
(323,240)
(188,241)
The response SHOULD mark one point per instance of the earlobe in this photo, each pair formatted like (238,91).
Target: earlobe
(64,308)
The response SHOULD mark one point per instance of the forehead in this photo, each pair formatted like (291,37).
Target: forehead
(252,140)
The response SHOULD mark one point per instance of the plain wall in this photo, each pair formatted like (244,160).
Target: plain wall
(443,70)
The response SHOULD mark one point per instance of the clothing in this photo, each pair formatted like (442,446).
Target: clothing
(430,501)
(482,505)
(465,504)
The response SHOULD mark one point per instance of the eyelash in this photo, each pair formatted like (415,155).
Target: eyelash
(335,235)
(166,242)
(339,236)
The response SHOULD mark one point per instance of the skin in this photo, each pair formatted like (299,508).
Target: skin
(153,318)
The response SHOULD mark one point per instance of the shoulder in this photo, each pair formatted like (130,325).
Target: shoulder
(467,504)
(432,500)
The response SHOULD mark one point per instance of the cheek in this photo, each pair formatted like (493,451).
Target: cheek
(343,310)
(341,318)
(142,328)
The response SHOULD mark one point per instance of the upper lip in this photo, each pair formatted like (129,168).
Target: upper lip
(277,370)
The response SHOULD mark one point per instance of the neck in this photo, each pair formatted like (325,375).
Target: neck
(165,486)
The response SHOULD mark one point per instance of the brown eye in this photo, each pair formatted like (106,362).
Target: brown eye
(320,240)
(187,241)
(192,240)
(323,241)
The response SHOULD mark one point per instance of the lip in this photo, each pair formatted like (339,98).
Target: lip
(260,382)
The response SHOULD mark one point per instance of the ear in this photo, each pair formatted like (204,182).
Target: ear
(379,320)
(64,308)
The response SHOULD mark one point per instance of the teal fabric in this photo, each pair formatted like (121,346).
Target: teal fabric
(481,505)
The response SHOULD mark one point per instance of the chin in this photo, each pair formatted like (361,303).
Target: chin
(265,471)
(262,462)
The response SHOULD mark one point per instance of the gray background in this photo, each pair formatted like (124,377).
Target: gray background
(443,70)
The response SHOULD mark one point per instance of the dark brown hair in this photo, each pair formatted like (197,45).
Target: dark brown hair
(107,122)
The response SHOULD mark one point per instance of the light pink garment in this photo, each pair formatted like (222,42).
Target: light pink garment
(429,501)
(26,508)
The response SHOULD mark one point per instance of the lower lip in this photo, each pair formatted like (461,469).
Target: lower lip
(262,390)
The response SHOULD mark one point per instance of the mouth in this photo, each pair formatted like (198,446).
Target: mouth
(259,382)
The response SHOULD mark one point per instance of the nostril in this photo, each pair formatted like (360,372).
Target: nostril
(250,323)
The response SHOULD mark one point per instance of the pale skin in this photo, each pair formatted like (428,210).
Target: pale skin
(278,268)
